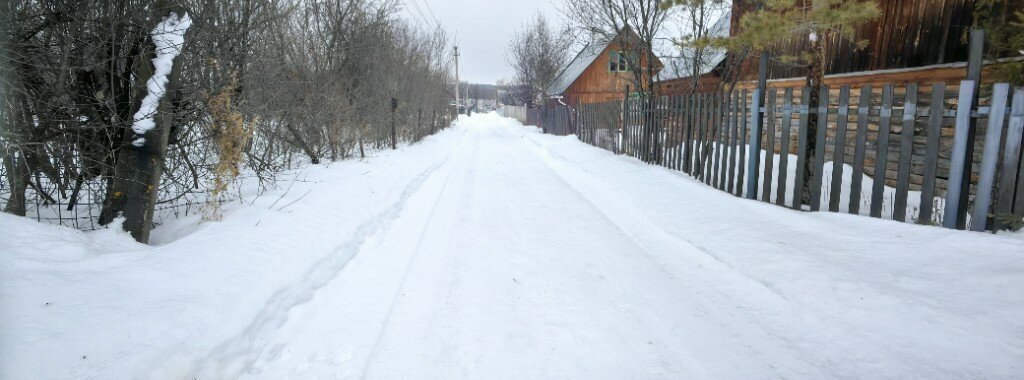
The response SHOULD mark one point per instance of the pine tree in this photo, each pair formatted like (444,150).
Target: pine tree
(1004,32)
(822,22)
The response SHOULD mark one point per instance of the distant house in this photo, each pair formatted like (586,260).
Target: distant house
(677,77)
(598,73)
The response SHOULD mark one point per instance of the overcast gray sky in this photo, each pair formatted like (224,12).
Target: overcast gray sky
(483,28)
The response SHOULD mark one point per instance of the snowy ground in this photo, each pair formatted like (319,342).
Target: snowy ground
(493,251)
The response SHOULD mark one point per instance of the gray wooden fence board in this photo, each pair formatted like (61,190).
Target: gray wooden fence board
(671,133)
(733,139)
(677,132)
(754,160)
(684,102)
(931,152)
(959,154)
(819,150)
(713,132)
(709,144)
(899,207)
(787,121)
(1011,157)
(860,145)
(881,153)
(709,157)
(741,162)
(723,141)
(666,132)
(839,153)
(769,149)
(1016,127)
(990,157)
(801,149)
(700,124)
(688,132)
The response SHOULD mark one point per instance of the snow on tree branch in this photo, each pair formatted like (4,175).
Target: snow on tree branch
(168,36)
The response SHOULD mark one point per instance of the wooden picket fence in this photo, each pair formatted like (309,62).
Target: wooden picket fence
(901,152)
(516,112)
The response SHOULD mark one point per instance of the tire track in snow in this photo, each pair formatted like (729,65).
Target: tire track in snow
(237,355)
(779,310)
(375,348)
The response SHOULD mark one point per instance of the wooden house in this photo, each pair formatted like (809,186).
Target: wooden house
(599,72)
(677,77)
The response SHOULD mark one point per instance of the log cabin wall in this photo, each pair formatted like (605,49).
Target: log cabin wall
(909,33)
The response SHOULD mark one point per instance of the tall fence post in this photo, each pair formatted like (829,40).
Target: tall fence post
(754,159)
(394,107)
(974,62)
(625,119)
(959,174)
(989,159)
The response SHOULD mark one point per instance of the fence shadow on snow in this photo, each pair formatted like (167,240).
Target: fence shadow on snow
(916,140)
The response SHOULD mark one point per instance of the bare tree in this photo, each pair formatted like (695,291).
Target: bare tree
(634,25)
(259,86)
(536,54)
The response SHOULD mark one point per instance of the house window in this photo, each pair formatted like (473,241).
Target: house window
(617,61)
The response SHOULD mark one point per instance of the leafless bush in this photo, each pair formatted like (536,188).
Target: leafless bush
(310,81)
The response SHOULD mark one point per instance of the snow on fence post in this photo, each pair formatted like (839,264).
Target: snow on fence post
(983,196)
(957,162)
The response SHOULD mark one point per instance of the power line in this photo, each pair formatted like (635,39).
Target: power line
(431,11)
(419,12)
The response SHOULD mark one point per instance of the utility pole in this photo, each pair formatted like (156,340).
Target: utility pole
(457,84)
(394,107)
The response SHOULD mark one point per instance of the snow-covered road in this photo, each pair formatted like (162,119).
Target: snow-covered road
(494,251)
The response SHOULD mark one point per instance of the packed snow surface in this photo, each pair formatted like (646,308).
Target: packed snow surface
(493,251)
